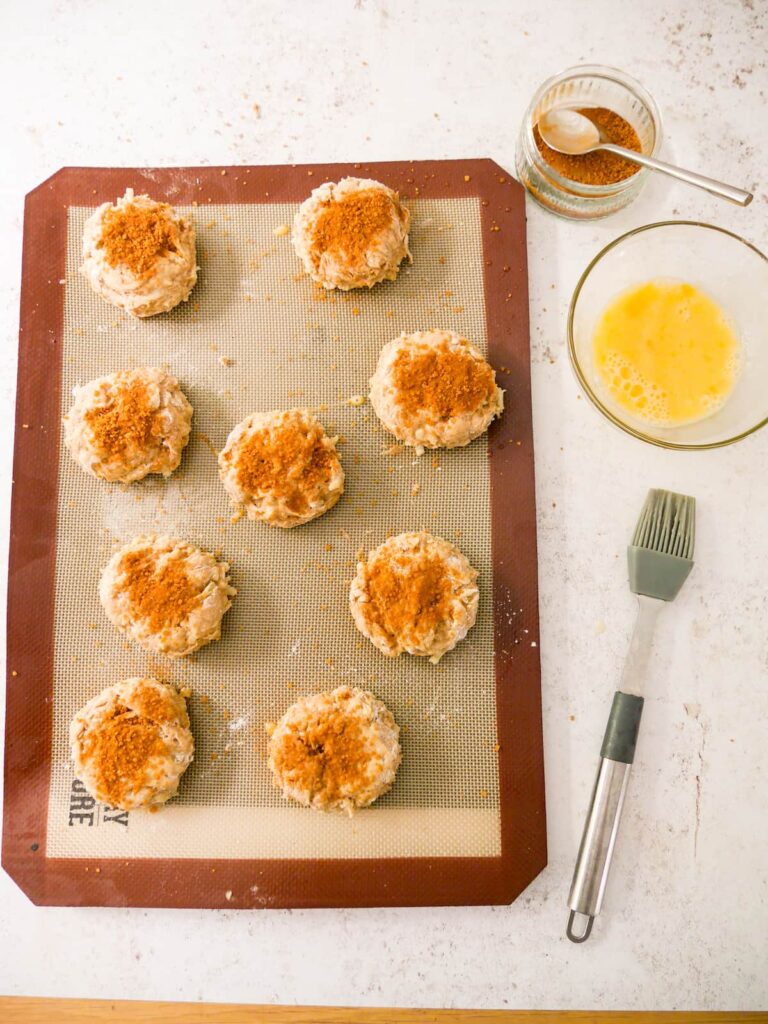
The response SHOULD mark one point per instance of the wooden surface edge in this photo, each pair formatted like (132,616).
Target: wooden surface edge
(24,1010)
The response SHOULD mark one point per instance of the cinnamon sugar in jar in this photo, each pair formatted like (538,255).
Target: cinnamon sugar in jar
(586,187)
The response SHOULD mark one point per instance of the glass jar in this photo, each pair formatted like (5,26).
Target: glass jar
(587,85)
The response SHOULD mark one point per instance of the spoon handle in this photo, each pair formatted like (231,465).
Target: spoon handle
(717,188)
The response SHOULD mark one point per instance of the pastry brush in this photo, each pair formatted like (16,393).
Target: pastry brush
(660,558)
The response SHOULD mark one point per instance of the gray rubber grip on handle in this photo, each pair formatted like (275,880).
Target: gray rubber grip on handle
(623,725)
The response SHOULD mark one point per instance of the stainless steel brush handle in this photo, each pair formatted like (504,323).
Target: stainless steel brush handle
(660,558)
(602,825)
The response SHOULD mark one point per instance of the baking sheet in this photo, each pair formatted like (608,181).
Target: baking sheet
(258,335)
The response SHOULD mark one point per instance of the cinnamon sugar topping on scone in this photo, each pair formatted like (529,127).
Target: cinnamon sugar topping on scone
(139,254)
(136,236)
(160,593)
(129,424)
(417,599)
(169,596)
(131,744)
(414,593)
(128,421)
(433,389)
(281,467)
(443,380)
(335,751)
(353,234)
(346,229)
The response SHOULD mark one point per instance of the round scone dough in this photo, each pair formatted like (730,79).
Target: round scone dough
(167,595)
(129,424)
(335,751)
(139,255)
(414,593)
(281,467)
(432,389)
(132,743)
(352,234)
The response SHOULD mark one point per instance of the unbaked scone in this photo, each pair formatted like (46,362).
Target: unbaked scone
(414,593)
(129,424)
(167,595)
(281,467)
(132,743)
(139,255)
(432,389)
(335,751)
(352,234)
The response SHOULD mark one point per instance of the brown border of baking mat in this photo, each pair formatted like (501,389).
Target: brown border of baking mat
(427,881)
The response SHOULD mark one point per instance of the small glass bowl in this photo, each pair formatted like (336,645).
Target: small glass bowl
(730,270)
(588,85)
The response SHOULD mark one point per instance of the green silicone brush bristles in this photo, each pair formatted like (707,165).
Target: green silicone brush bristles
(667,524)
(661,554)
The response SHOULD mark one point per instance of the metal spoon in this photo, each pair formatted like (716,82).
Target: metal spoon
(568,131)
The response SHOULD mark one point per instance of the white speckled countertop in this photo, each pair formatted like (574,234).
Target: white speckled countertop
(686,917)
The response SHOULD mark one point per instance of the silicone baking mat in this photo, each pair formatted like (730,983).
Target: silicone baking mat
(464,822)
